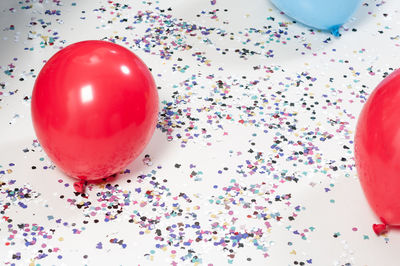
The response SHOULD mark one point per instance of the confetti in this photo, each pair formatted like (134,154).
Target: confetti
(253,155)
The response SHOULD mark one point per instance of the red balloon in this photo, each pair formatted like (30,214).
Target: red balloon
(94,108)
(377,149)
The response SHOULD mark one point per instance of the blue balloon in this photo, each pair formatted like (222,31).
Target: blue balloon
(321,14)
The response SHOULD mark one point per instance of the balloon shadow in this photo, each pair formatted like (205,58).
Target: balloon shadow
(156,148)
(14,152)
(361,16)
(315,40)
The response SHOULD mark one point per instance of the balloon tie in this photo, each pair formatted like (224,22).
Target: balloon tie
(379,229)
(80,186)
(335,31)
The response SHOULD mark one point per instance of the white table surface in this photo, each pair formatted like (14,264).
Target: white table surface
(252,202)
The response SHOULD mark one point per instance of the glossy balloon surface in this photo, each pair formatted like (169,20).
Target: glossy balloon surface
(94,108)
(377,147)
(320,14)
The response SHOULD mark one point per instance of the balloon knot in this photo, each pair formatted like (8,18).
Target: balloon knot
(379,229)
(335,31)
(80,186)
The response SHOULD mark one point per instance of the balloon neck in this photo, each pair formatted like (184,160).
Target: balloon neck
(80,186)
(379,229)
(335,31)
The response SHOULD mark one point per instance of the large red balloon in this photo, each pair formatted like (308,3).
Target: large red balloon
(94,108)
(377,149)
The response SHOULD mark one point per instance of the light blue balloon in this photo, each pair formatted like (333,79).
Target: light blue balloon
(321,14)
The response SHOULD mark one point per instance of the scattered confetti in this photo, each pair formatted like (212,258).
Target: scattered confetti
(253,155)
